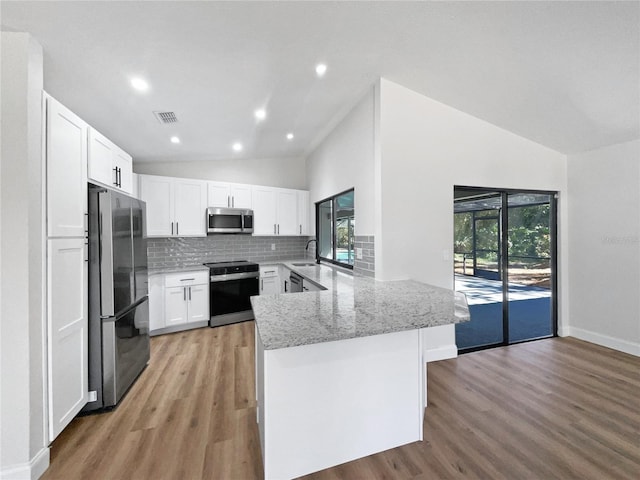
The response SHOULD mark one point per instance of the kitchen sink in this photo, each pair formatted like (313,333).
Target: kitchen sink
(308,264)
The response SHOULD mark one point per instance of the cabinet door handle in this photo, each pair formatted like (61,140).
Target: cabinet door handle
(285,286)
(233,201)
(119,177)
(184,294)
(171,228)
(189,293)
(177,228)
(274,228)
(187,279)
(115,170)
(278,229)
(300,229)
(261,284)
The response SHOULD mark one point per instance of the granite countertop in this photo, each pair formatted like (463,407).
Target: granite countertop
(352,306)
(178,269)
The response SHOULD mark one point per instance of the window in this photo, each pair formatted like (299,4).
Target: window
(336,221)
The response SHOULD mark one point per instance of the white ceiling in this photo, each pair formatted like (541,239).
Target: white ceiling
(564,74)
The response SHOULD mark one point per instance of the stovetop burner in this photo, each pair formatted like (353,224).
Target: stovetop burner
(236,266)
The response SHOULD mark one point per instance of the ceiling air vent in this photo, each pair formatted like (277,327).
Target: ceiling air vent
(166,117)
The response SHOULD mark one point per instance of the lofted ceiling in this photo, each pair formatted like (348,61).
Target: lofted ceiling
(563,74)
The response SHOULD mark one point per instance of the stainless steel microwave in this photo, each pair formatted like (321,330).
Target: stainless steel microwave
(229,220)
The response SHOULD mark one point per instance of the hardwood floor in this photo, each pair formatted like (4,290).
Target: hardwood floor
(556,408)
(191,415)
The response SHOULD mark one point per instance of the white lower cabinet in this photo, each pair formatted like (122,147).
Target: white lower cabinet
(178,301)
(156,303)
(269,280)
(67,325)
(176,306)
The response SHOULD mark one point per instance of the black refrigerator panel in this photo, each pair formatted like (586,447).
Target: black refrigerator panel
(125,350)
(95,322)
(116,252)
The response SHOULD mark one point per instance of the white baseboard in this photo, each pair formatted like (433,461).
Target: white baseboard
(625,346)
(27,471)
(441,353)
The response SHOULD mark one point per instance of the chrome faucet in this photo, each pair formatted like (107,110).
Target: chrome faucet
(312,240)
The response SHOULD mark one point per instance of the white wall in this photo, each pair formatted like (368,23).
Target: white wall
(345,160)
(23,449)
(272,172)
(604,241)
(426,148)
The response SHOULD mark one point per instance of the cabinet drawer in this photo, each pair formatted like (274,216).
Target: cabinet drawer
(185,279)
(268,271)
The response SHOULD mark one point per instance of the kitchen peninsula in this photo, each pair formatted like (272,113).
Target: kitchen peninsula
(340,373)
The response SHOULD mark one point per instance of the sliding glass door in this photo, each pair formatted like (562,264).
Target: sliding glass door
(529,269)
(504,262)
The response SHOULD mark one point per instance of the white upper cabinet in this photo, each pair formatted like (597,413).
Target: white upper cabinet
(190,207)
(108,164)
(158,194)
(275,211)
(66,152)
(232,195)
(287,212)
(100,164)
(176,207)
(265,215)
(304,209)
(124,165)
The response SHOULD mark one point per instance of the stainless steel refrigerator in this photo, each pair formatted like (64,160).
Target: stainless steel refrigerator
(118,302)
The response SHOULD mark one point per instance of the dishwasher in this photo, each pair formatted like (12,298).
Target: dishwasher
(296,282)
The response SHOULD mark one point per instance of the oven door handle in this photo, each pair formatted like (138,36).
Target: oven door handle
(234,276)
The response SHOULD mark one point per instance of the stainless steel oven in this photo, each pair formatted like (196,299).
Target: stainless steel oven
(231,284)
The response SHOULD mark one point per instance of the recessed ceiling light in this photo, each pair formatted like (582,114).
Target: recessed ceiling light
(139,84)
(237,147)
(289,136)
(321,69)
(175,140)
(260,114)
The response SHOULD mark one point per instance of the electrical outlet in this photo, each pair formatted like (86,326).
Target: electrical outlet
(273,246)
(359,253)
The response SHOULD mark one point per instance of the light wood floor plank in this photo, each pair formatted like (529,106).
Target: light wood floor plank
(553,409)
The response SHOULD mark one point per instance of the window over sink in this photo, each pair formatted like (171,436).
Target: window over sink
(335,217)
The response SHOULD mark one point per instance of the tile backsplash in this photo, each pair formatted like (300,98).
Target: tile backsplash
(367,265)
(178,251)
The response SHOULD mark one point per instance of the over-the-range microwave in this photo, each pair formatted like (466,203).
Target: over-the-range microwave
(229,220)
